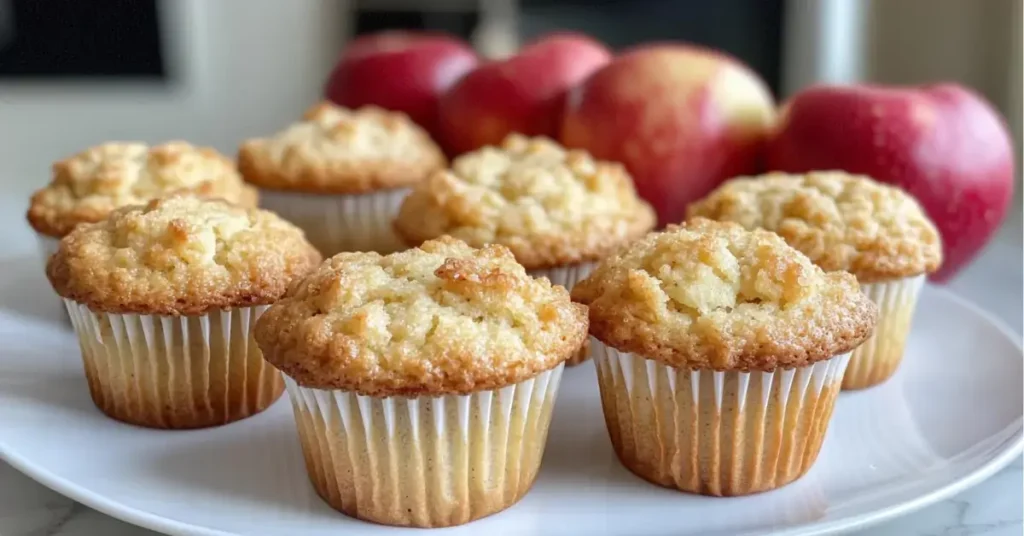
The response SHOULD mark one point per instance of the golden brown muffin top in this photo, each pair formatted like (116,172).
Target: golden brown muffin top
(341,151)
(87,186)
(711,295)
(439,319)
(549,205)
(841,221)
(180,255)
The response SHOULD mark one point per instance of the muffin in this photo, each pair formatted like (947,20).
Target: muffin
(422,381)
(845,222)
(720,353)
(340,174)
(88,186)
(163,297)
(558,210)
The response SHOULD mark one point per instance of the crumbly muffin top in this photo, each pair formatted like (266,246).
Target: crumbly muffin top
(342,151)
(439,319)
(86,187)
(180,255)
(711,295)
(841,221)
(549,205)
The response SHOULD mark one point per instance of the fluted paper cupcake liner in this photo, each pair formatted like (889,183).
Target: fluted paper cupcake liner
(877,359)
(336,222)
(175,372)
(425,461)
(567,276)
(711,432)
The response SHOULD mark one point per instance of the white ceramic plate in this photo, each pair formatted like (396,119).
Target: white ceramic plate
(948,419)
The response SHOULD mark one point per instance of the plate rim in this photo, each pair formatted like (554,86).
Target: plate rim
(1011,449)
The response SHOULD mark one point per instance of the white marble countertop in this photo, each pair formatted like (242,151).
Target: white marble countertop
(993,508)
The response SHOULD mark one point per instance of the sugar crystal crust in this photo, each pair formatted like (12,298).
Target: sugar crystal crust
(549,205)
(87,186)
(710,295)
(441,318)
(841,221)
(341,151)
(180,255)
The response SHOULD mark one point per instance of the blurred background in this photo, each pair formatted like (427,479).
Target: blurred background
(74,74)
(214,72)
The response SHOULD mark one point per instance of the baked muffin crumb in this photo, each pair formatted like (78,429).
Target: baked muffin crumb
(180,255)
(439,319)
(549,205)
(87,186)
(710,295)
(841,221)
(341,151)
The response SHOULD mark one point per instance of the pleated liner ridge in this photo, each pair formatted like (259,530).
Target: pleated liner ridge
(716,433)
(425,461)
(877,359)
(567,276)
(175,372)
(337,222)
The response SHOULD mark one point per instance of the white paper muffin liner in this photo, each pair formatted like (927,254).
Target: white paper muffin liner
(337,222)
(877,359)
(175,372)
(424,461)
(711,432)
(568,276)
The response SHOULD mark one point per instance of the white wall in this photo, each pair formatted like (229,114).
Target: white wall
(970,41)
(242,68)
(977,43)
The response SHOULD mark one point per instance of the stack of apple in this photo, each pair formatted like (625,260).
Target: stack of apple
(683,119)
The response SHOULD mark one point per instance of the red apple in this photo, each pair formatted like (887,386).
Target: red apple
(943,144)
(682,119)
(524,93)
(398,70)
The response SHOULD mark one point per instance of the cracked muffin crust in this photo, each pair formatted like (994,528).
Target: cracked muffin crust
(443,318)
(87,186)
(549,205)
(180,255)
(336,150)
(711,295)
(841,221)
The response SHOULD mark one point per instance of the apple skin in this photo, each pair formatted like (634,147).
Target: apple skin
(943,144)
(400,70)
(682,119)
(524,93)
